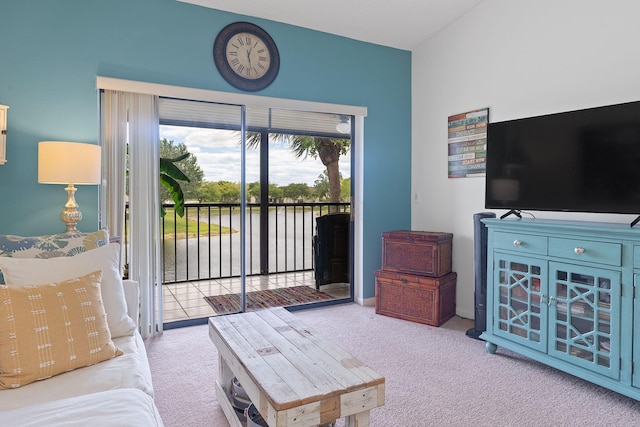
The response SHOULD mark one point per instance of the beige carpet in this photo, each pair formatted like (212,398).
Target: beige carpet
(434,377)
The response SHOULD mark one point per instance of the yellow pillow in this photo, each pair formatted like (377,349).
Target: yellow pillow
(53,328)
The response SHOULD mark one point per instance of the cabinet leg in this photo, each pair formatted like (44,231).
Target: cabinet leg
(491,348)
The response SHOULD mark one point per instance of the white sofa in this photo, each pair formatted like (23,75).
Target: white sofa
(114,392)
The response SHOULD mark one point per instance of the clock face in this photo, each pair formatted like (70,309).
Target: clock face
(246,56)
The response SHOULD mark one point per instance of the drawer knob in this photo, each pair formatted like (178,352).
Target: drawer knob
(517,242)
(578,250)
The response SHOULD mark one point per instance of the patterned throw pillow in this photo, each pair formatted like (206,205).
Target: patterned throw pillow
(50,246)
(53,328)
(54,245)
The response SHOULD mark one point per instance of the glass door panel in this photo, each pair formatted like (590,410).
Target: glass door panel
(584,308)
(203,258)
(521,312)
(309,176)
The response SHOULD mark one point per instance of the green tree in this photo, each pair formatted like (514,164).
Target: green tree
(229,191)
(208,192)
(321,185)
(345,190)
(275,192)
(328,150)
(253,190)
(296,191)
(178,155)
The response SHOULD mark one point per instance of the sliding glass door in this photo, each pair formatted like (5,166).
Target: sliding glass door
(264,184)
(204,243)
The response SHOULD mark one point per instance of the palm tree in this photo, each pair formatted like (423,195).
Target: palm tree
(328,150)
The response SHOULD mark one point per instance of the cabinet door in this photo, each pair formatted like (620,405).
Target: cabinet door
(519,288)
(584,317)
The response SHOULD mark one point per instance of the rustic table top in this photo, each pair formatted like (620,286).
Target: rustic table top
(289,362)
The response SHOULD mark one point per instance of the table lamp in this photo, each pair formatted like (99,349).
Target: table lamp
(71,163)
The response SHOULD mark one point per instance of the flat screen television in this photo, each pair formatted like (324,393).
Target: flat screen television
(577,161)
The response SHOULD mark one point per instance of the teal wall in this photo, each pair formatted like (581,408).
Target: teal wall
(52,50)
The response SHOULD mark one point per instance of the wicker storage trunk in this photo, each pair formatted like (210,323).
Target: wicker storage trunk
(429,300)
(416,282)
(417,252)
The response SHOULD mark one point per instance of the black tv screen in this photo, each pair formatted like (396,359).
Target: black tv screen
(577,161)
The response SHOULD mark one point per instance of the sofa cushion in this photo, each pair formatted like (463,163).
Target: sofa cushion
(131,370)
(25,271)
(119,407)
(52,328)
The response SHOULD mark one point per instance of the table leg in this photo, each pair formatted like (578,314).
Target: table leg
(357,420)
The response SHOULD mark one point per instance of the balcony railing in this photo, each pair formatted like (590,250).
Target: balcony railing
(279,240)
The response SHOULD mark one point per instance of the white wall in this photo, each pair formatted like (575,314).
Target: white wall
(519,58)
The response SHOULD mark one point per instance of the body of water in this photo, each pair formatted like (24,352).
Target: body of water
(290,247)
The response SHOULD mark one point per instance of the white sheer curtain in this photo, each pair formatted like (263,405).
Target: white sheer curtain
(131,118)
(113,138)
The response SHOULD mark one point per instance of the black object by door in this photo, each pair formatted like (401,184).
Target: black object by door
(331,249)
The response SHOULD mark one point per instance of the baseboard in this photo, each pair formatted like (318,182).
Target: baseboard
(367,302)
(465,314)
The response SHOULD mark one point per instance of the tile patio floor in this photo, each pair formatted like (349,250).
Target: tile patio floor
(182,301)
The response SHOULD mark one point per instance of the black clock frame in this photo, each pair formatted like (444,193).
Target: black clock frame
(220,57)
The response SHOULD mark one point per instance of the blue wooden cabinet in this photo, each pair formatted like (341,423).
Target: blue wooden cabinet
(562,293)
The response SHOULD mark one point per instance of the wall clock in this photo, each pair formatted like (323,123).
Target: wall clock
(246,56)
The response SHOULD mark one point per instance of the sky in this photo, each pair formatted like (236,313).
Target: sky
(218,154)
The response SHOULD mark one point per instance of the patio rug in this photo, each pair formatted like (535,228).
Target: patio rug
(282,297)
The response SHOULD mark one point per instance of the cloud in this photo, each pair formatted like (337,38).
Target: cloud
(219,156)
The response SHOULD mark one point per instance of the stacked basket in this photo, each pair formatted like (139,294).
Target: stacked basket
(416,282)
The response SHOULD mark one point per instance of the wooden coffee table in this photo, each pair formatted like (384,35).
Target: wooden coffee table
(292,375)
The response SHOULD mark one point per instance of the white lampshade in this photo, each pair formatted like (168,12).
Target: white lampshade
(68,163)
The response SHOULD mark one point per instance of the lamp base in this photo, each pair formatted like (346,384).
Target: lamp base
(71,215)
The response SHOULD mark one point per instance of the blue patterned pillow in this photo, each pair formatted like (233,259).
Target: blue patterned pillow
(50,246)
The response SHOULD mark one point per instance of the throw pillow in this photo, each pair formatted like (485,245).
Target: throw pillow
(25,271)
(55,245)
(49,329)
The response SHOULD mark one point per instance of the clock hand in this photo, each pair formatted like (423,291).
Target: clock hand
(249,57)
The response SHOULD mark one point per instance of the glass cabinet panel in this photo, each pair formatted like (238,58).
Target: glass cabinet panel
(582,306)
(520,312)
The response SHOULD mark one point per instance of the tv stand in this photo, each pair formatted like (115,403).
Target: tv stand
(564,293)
(512,212)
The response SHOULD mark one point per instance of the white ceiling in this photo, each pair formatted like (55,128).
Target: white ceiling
(402,24)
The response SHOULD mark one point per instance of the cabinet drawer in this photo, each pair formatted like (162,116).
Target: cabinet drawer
(523,243)
(586,250)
